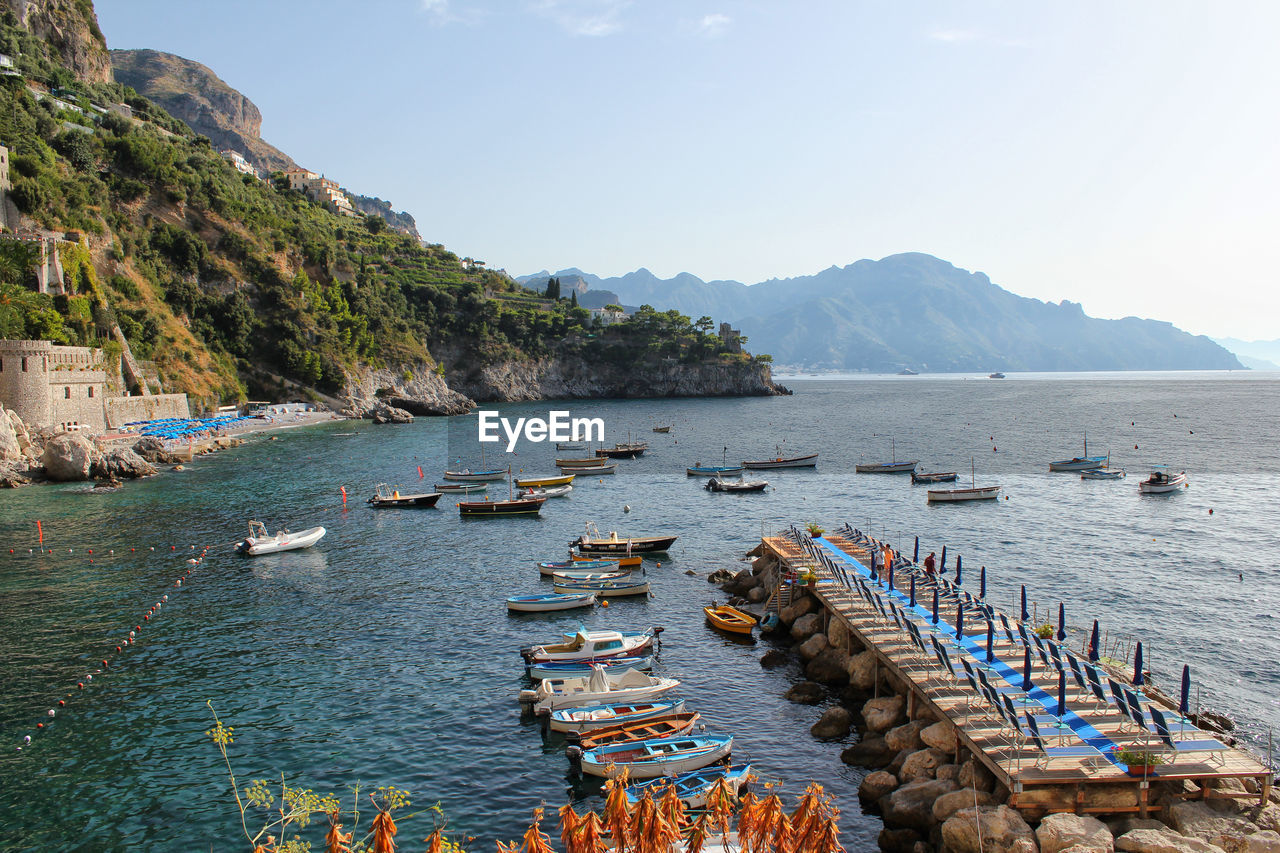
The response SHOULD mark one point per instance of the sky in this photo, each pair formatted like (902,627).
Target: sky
(1120,155)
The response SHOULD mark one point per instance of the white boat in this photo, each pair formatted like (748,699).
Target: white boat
(550,568)
(1102,474)
(570,445)
(651,758)
(973,493)
(258,542)
(466,475)
(780,461)
(600,688)
(601,585)
(586,578)
(545,492)
(589,470)
(546,602)
(1080,463)
(587,717)
(891,467)
(1161,482)
(592,644)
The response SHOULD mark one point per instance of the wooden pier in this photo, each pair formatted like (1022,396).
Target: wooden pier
(1078,772)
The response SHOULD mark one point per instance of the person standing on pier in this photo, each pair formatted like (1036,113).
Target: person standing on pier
(888,557)
(930,565)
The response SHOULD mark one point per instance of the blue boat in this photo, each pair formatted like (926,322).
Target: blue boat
(547,602)
(595,716)
(550,568)
(1080,463)
(693,787)
(699,470)
(650,758)
(574,668)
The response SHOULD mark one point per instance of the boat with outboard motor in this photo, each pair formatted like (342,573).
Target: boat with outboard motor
(386,496)
(593,543)
(260,542)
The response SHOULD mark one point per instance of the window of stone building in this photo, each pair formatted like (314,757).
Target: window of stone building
(24,364)
(90,390)
(66,393)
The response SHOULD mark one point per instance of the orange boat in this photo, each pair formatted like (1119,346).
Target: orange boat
(729,619)
(621,561)
(668,725)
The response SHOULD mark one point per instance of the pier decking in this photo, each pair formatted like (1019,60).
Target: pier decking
(975,678)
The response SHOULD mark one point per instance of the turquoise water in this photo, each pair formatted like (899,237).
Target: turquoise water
(385,654)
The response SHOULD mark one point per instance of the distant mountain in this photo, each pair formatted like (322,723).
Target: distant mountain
(1256,355)
(193,93)
(914,310)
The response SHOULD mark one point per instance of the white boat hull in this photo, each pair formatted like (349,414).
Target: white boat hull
(611,588)
(282,541)
(478,477)
(1173,484)
(546,605)
(982,493)
(662,766)
(616,688)
(796,462)
(887,468)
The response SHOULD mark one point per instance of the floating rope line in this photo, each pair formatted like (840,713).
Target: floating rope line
(125,642)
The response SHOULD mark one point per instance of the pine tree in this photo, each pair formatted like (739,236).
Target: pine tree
(573,299)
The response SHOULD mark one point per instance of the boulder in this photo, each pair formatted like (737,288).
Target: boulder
(1119,826)
(921,764)
(883,713)
(152,449)
(813,646)
(10,450)
(987,828)
(773,658)
(805,626)
(838,634)
(911,806)
(122,464)
(906,736)
(947,771)
(719,576)
(941,735)
(1162,841)
(974,775)
(806,693)
(898,840)
(1058,832)
(756,594)
(899,759)
(835,722)
(1263,841)
(386,414)
(1196,819)
(862,670)
(829,667)
(13,474)
(869,752)
(68,457)
(965,798)
(1268,817)
(793,611)
(876,785)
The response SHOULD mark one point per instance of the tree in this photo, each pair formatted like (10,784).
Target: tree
(573,299)
(375,224)
(553,288)
(705,324)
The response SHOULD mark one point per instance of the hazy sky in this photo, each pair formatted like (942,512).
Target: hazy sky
(1122,155)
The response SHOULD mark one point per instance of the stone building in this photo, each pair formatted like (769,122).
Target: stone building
(65,388)
(320,189)
(731,337)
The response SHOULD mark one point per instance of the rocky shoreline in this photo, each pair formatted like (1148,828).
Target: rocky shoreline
(933,797)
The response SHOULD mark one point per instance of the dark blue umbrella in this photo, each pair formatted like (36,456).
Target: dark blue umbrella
(1062,692)
(1027,683)
(991,641)
(1062,622)
(874,576)
(959,620)
(915,555)
(1137,665)
(1184,703)
(1025,615)
(913,590)
(1093,643)
(890,577)
(935,606)
(982,588)
(942,567)
(959,562)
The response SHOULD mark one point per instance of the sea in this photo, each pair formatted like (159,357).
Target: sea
(385,656)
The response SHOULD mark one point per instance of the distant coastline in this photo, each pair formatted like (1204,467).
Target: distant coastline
(1058,376)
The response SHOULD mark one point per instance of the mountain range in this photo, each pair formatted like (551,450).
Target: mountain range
(1255,355)
(913,311)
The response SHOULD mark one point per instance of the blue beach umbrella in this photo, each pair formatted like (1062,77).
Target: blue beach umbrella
(959,562)
(1093,643)
(935,607)
(1025,614)
(1184,703)
(915,555)
(1062,622)
(913,590)
(1137,665)
(1062,692)
(943,565)
(991,641)
(875,576)
(959,620)
(982,588)
(891,577)
(1027,683)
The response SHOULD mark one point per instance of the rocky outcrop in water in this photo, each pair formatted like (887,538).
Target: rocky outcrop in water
(121,463)
(417,389)
(68,457)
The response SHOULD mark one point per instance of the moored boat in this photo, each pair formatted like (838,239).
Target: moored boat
(891,467)
(469,476)
(587,717)
(549,568)
(650,758)
(593,543)
(693,788)
(700,470)
(588,462)
(592,644)
(622,560)
(543,482)
(621,452)
(593,470)
(613,588)
(548,602)
(1162,482)
(600,688)
(980,493)
(934,477)
(260,542)
(548,492)
(1102,474)
(668,725)
(715,484)
(461,488)
(780,461)
(571,445)
(662,428)
(489,509)
(1080,463)
(571,668)
(386,496)
(574,576)
(728,618)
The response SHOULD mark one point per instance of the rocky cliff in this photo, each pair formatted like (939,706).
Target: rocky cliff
(415,388)
(71,29)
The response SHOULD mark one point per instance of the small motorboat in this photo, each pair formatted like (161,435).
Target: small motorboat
(934,477)
(694,787)
(697,469)
(259,542)
(1162,482)
(548,492)
(613,588)
(543,482)
(715,484)
(593,543)
(980,493)
(622,452)
(600,688)
(462,488)
(386,496)
(651,758)
(588,717)
(548,568)
(543,603)
(593,470)
(729,619)
(592,644)
(668,725)
(996,375)
(489,509)
(467,475)
(662,429)
(570,445)
(572,668)
(1102,474)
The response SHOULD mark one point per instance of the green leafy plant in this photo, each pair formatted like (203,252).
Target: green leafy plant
(1137,755)
(813,529)
(1045,631)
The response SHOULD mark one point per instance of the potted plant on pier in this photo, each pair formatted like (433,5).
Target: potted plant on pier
(814,530)
(1045,631)
(808,578)
(1140,760)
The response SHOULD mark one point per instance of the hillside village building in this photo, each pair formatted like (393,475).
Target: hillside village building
(241,165)
(320,189)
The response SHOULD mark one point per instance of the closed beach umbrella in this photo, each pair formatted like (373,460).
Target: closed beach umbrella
(1137,665)
(959,562)
(890,575)
(991,641)
(913,590)
(1184,703)
(943,565)
(875,557)
(1025,614)
(1027,683)
(1062,622)
(1062,692)
(915,555)
(935,606)
(982,587)
(960,620)
(1093,643)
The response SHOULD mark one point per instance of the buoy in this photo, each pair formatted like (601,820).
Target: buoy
(39,725)
(80,685)
(1210,510)
(626,508)
(52,712)
(604,604)
(173,547)
(90,550)
(62,702)
(26,739)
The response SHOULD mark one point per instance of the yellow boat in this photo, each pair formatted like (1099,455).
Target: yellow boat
(729,619)
(626,562)
(540,482)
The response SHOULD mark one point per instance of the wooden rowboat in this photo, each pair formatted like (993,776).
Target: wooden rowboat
(624,562)
(464,488)
(584,718)
(546,602)
(591,470)
(668,725)
(543,482)
(649,758)
(483,509)
(729,619)
(693,788)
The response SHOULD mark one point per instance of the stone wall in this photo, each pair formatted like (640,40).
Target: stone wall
(123,410)
(24,380)
(76,397)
